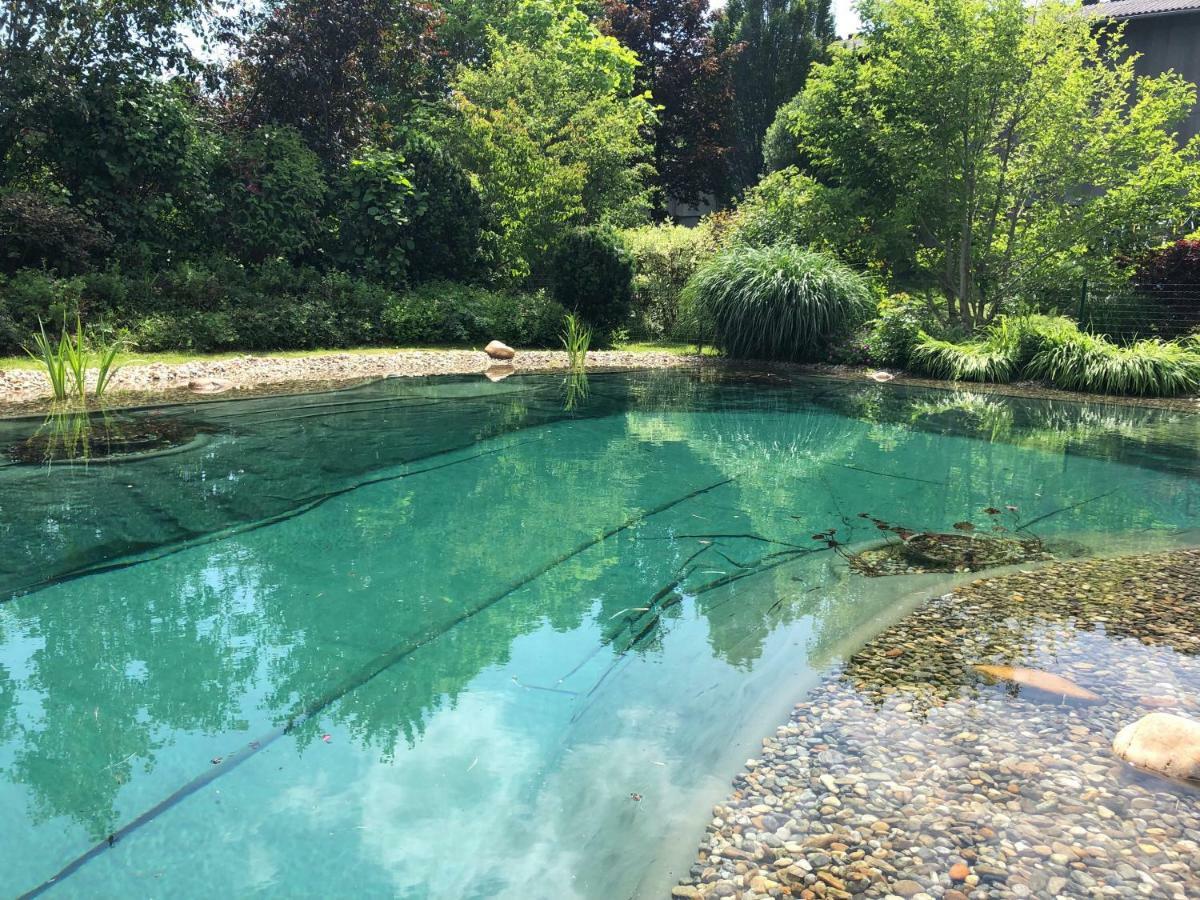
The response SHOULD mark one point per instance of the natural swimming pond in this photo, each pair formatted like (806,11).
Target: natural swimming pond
(448,638)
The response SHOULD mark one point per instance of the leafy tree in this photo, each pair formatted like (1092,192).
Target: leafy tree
(775,43)
(1003,150)
(50,50)
(689,82)
(552,132)
(270,191)
(336,70)
(448,214)
(137,156)
(38,231)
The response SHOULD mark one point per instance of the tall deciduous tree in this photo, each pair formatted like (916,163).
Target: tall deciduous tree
(775,42)
(335,70)
(689,81)
(552,130)
(1011,147)
(56,54)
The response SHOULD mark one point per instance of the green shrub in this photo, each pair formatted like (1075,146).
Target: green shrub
(591,274)
(30,296)
(270,189)
(779,302)
(664,258)
(196,330)
(448,313)
(891,337)
(39,230)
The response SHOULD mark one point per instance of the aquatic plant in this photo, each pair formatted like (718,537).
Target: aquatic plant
(53,356)
(68,359)
(968,547)
(778,302)
(576,338)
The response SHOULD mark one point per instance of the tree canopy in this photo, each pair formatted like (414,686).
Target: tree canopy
(688,78)
(994,149)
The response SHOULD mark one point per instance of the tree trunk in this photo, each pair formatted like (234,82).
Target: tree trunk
(965,251)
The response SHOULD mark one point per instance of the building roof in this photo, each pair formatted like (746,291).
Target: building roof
(1132,9)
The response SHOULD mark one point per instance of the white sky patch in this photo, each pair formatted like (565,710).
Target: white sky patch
(845,18)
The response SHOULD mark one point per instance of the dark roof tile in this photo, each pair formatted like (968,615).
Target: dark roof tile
(1129,9)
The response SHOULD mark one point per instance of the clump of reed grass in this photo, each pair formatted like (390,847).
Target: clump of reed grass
(576,338)
(970,361)
(778,302)
(68,360)
(1054,350)
(1147,368)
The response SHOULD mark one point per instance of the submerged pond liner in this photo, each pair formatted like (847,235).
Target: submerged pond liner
(353,571)
(87,438)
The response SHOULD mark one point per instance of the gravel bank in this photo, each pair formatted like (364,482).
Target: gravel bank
(905,773)
(19,385)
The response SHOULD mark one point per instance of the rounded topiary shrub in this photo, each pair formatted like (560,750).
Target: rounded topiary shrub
(591,274)
(779,302)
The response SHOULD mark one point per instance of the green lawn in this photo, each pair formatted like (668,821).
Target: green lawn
(175,357)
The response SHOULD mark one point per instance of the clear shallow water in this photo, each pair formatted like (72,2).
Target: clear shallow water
(439,633)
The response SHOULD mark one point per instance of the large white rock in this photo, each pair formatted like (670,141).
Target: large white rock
(497,350)
(1162,743)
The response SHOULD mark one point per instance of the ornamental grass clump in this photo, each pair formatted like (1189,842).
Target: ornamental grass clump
(1148,368)
(1053,350)
(971,361)
(779,302)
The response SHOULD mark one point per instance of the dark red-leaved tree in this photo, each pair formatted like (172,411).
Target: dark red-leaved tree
(689,79)
(335,69)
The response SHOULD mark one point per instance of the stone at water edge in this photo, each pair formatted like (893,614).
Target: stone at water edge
(498,350)
(1045,682)
(499,372)
(881,376)
(1162,743)
(208,386)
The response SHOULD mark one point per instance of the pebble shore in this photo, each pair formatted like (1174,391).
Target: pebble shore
(904,773)
(19,385)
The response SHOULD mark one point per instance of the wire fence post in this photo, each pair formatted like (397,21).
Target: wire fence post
(1083,297)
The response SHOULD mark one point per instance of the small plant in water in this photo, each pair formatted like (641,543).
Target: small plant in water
(576,338)
(68,359)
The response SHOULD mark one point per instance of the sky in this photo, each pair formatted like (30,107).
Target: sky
(845,19)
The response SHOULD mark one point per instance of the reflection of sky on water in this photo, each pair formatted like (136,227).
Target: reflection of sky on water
(122,686)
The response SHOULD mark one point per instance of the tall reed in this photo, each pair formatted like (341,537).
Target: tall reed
(576,338)
(68,360)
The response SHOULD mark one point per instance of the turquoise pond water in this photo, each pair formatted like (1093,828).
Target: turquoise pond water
(447,638)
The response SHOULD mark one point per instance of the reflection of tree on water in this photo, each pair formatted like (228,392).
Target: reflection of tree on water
(1112,431)
(106,686)
(194,660)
